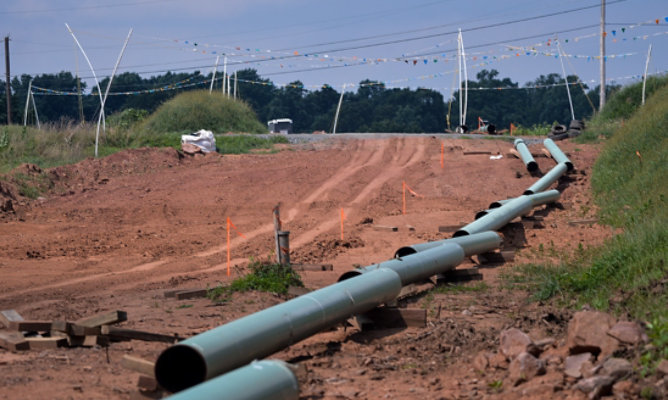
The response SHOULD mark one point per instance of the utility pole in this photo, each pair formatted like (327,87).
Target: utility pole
(8,88)
(602,92)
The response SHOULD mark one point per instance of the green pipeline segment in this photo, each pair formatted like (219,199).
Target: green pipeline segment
(525,155)
(261,334)
(557,154)
(266,380)
(499,217)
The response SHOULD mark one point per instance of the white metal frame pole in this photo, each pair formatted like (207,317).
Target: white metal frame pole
(97,83)
(213,74)
(601,103)
(459,73)
(563,70)
(106,92)
(338,108)
(235,84)
(34,106)
(228,86)
(25,110)
(644,77)
(466,79)
(224,72)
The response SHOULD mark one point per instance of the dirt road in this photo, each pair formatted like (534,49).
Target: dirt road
(115,233)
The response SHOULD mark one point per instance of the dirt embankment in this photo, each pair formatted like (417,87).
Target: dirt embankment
(115,233)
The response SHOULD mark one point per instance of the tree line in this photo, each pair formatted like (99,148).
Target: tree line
(371,108)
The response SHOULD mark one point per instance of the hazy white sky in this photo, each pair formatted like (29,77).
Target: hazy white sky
(336,42)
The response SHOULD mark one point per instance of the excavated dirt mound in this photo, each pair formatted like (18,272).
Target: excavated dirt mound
(115,233)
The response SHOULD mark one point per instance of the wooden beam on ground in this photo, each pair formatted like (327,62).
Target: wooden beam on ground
(105,318)
(496,258)
(191,294)
(514,153)
(475,153)
(449,228)
(147,384)
(296,291)
(172,292)
(129,334)
(30,326)
(391,317)
(45,343)
(385,228)
(80,330)
(313,267)
(13,341)
(415,289)
(9,316)
(138,365)
(61,326)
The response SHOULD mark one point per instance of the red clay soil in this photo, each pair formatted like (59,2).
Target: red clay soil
(115,233)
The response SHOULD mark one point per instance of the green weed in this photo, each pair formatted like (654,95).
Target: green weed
(263,277)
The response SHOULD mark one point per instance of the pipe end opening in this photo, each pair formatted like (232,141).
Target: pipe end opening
(569,165)
(349,274)
(528,192)
(460,233)
(180,367)
(481,214)
(404,251)
(532,166)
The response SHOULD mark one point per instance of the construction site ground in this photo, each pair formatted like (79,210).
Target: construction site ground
(115,233)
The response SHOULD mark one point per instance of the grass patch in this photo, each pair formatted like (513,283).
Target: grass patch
(263,277)
(198,109)
(535,130)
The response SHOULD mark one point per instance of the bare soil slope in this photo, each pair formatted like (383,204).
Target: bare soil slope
(115,233)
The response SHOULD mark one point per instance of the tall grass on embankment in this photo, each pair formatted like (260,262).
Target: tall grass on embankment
(619,108)
(628,274)
(67,143)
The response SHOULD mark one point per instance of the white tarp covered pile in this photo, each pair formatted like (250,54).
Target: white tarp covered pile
(203,139)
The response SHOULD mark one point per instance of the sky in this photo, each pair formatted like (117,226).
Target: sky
(339,42)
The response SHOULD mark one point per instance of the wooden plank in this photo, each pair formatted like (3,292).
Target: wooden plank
(449,228)
(496,258)
(138,365)
(95,340)
(582,222)
(61,326)
(104,318)
(460,272)
(415,289)
(191,294)
(172,292)
(75,341)
(127,334)
(9,316)
(474,153)
(514,153)
(385,228)
(44,343)
(13,341)
(390,317)
(313,267)
(80,330)
(30,326)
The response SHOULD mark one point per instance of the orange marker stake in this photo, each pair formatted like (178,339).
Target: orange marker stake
(228,246)
(343,217)
(639,156)
(442,154)
(403,196)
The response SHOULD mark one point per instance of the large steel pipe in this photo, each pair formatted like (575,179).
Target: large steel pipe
(499,217)
(258,335)
(260,380)
(525,155)
(417,267)
(557,154)
(547,179)
(471,244)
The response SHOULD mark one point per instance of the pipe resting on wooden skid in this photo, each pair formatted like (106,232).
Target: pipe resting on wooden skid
(261,334)
(266,380)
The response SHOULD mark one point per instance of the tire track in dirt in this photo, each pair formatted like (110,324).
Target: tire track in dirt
(397,164)
(365,153)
